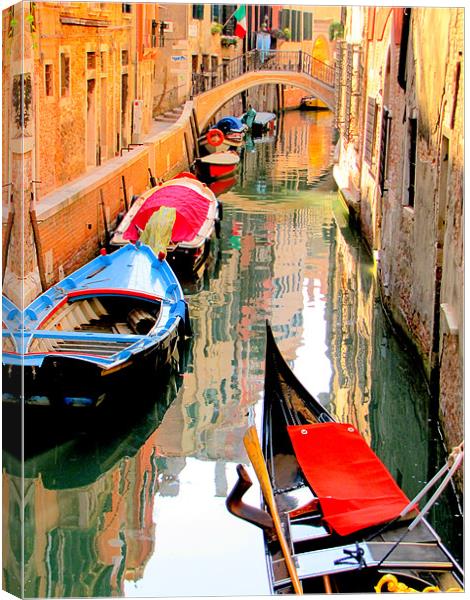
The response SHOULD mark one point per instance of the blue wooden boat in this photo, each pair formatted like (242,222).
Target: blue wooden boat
(119,313)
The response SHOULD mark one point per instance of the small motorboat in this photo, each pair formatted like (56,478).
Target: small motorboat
(197,217)
(227,133)
(263,122)
(217,166)
(334,520)
(116,317)
(312,103)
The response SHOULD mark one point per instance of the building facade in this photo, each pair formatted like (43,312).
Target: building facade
(400,170)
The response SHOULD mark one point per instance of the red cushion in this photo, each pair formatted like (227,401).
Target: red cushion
(354,488)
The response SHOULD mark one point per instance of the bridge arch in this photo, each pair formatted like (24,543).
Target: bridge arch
(208,103)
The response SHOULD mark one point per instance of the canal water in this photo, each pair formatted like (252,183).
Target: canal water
(134,504)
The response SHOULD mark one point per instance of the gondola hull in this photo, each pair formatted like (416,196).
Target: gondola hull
(342,521)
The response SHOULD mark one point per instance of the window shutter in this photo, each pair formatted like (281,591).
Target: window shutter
(384,137)
(369,133)
(307,33)
(413,138)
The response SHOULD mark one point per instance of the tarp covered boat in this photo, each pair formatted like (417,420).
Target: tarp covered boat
(196,218)
(118,313)
(337,521)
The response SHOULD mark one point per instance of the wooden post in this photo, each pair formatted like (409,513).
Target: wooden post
(105,221)
(188,152)
(195,137)
(196,126)
(37,242)
(153,181)
(124,190)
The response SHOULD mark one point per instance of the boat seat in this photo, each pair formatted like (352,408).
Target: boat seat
(330,561)
(305,532)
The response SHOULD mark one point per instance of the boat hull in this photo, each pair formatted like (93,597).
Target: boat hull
(63,381)
(210,171)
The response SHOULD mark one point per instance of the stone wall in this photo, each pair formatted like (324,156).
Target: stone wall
(418,245)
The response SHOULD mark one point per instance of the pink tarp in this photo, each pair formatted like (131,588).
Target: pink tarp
(354,488)
(191,212)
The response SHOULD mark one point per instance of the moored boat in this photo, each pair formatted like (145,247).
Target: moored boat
(219,165)
(312,103)
(263,122)
(197,216)
(337,521)
(118,314)
(228,133)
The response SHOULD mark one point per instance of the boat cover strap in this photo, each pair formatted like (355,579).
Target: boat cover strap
(353,486)
(191,207)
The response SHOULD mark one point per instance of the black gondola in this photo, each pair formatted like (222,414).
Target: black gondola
(330,540)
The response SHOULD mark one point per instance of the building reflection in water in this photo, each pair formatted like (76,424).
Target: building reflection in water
(87,507)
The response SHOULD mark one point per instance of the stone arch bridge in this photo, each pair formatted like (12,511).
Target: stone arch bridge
(213,89)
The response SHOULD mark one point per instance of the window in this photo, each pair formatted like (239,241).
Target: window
(127,8)
(64,74)
(284,19)
(307,33)
(295,25)
(103,61)
(412,153)
(90,60)
(215,13)
(124,57)
(198,11)
(48,84)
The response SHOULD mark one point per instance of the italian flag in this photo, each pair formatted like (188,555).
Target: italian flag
(240,16)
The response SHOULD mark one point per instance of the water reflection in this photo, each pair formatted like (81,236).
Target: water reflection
(152,521)
(88,505)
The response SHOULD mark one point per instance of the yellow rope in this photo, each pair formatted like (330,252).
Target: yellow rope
(393,585)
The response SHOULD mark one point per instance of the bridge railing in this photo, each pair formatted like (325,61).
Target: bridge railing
(263,60)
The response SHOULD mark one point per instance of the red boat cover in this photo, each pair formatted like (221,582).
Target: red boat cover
(191,212)
(353,486)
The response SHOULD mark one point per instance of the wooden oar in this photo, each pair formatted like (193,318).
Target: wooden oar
(255,454)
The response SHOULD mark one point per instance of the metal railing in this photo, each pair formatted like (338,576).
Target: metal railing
(263,60)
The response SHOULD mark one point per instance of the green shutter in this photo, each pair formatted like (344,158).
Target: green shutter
(198,11)
(307,34)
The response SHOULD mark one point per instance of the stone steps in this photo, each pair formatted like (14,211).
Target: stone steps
(170,116)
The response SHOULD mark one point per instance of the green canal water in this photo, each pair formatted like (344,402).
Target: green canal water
(134,504)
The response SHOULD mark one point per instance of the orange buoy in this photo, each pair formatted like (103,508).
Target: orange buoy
(214,137)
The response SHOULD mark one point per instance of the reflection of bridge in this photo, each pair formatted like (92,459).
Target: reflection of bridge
(213,89)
